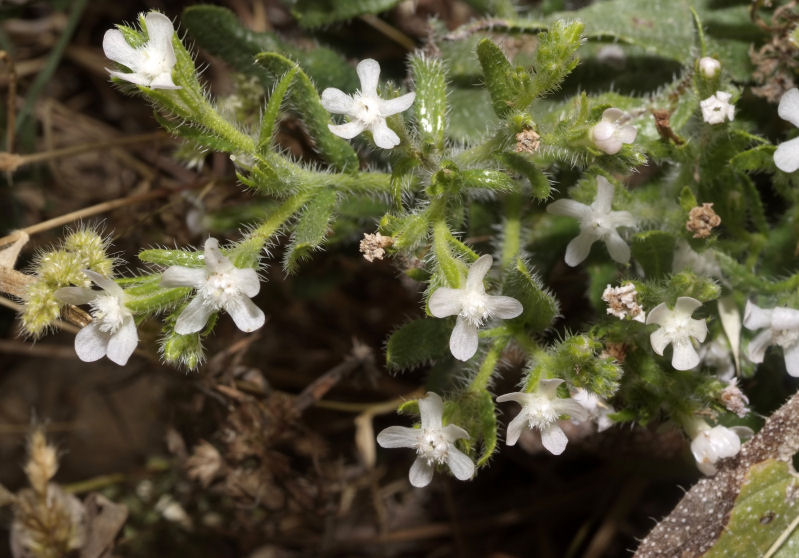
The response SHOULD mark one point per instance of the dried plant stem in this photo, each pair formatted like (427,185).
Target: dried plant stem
(389,31)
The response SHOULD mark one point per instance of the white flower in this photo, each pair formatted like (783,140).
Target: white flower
(434,443)
(598,409)
(622,302)
(151,63)
(685,257)
(541,410)
(366,110)
(709,67)
(716,354)
(473,307)
(112,332)
(786,157)
(717,108)
(711,445)
(597,222)
(677,327)
(781,328)
(220,285)
(608,134)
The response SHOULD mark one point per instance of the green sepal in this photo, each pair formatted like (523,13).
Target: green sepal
(172,257)
(304,100)
(311,228)
(200,136)
(540,307)
(556,56)
(272,111)
(687,199)
(486,179)
(505,84)
(654,250)
(318,13)
(409,231)
(185,351)
(417,343)
(430,106)
(151,297)
(539,183)
(687,283)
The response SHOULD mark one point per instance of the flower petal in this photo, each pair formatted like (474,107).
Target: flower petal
(477,272)
(785,318)
(627,134)
(215,260)
(105,283)
(445,302)
(696,329)
(180,276)
(246,280)
(384,136)
(786,156)
(659,340)
(163,81)
(348,130)
(396,106)
(194,317)
(91,343)
(579,248)
(604,195)
(568,208)
(612,114)
(122,343)
(686,305)
(246,315)
(756,317)
(398,437)
(431,409)
(515,428)
(549,387)
(159,35)
(368,72)
(570,407)
(336,101)
(75,295)
(757,346)
(421,473)
(519,397)
(135,77)
(453,432)
(117,49)
(463,341)
(460,464)
(602,132)
(553,439)
(504,307)
(792,360)
(618,249)
(789,106)
(684,356)
(658,314)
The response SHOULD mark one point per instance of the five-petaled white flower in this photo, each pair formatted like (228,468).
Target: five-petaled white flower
(598,409)
(786,157)
(609,133)
(710,445)
(151,64)
(220,285)
(597,222)
(433,442)
(717,108)
(541,410)
(366,110)
(677,327)
(473,307)
(709,67)
(112,332)
(781,328)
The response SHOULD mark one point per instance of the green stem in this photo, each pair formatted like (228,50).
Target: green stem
(480,381)
(248,250)
(536,370)
(512,230)
(448,265)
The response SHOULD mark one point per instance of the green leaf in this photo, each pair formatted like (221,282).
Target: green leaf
(219,31)
(497,181)
(417,343)
(764,511)
(311,228)
(556,56)
(756,159)
(199,136)
(475,411)
(504,83)
(305,102)
(654,250)
(172,257)
(318,13)
(540,307)
(409,231)
(430,106)
(539,182)
(272,111)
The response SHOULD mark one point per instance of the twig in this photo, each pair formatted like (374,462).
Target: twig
(389,31)
(20,308)
(11,101)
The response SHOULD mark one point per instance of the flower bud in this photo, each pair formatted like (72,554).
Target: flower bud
(709,67)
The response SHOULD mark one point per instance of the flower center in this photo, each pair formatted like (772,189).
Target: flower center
(109,313)
(366,109)
(475,307)
(218,289)
(433,446)
(541,413)
(785,338)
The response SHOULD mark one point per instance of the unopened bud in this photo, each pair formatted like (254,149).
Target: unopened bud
(709,67)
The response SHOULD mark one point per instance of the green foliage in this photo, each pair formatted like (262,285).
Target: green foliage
(540,307)
(430,106)
(556,56)
(654,250)
(310,228)
(507,85)
(417,343)
(476,412)
(318,13)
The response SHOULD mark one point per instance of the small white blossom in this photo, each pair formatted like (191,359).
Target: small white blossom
(150,64)
(709,67)
(685,257)
(786,157)
(598,409)
(597,222)
(112,332)
(541,410)
(366,110)
(473,307)
(711,445)
(716,354)
(622,302)
(433,442)
(717,108)
(677,327)
(220,286)
(609,134)
(781,328)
